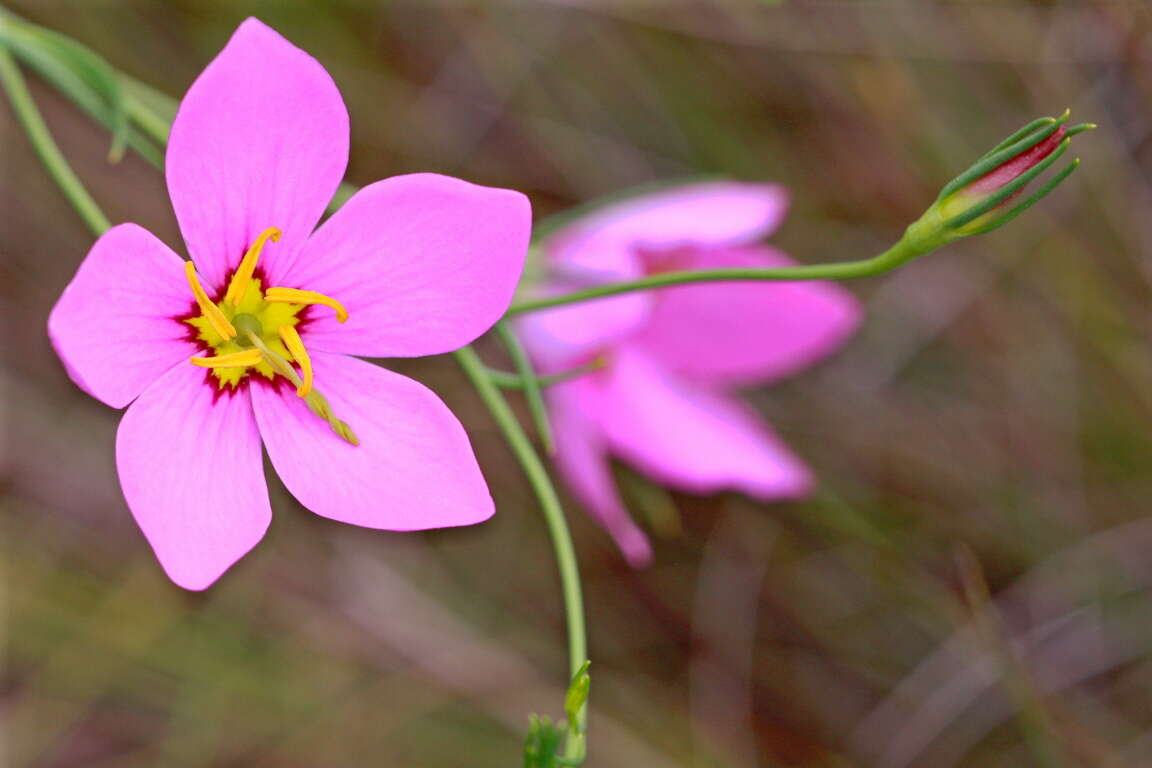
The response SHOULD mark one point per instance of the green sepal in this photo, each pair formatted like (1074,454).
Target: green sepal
(1009,189)
(1027,129)
(1032,199)
(1002,154)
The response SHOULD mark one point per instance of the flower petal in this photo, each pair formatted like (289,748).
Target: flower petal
(413,469)
(572,335)
(743,332)
(261,140)
(115,327)
(612,245)
(423,263)
(190,466)
(688,436)
(706,213)
(582,460)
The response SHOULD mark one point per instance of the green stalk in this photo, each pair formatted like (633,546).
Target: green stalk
(907,249)
(46,147)
(533,467)
(506,380)
(529,384)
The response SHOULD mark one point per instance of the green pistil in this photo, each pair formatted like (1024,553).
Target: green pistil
(246,324)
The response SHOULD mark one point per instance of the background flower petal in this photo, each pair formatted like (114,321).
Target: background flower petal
(572,335)
(424,264)
(115,327)
(705,213)
(260,140)
(582,459)
(414,467)
(688,436)
(746,332)
(193,476)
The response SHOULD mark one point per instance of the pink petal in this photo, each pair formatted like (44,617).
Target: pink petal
(423,263)
(115,327)
(261,140)
(609,246)
(745,332)
(690,437)
(190,466)
(582,460)
(572,335)
(414,467)
(705,213)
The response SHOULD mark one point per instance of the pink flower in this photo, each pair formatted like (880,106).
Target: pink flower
(663,402)
(235,347)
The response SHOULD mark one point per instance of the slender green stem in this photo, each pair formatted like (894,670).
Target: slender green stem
(537,475)
(46,147)
(529,383)
(903,251)
(506,380)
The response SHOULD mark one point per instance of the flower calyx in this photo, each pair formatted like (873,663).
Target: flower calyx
(987,195)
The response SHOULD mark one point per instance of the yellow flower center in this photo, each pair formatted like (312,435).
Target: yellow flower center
(253,330)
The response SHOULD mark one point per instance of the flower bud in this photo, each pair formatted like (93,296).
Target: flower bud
(987,195)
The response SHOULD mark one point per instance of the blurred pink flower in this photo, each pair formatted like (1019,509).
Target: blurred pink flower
(416,265)
(663,402)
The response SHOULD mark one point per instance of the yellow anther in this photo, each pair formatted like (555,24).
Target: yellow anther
(294,296)
(210,311)
(233,360)
(243,276)
(292,341)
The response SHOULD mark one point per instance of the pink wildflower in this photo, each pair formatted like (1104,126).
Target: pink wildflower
(235,347)
(663,401)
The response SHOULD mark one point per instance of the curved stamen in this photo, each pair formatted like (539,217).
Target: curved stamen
(233,360)
(243,276)
(291,339)
(294,296)
(210,311)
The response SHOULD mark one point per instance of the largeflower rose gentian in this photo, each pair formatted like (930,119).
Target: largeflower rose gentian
(249,341)
(663,402)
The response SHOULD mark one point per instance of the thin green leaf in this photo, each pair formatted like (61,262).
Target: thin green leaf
(78,72)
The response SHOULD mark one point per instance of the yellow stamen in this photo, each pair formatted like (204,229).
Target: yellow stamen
(243,276)
(293,296)
(292,341)
(233,360)
(210,311)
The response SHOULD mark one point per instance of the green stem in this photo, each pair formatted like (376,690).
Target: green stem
(907,249)
(506,380)
(46,147)
(530,385)
(537,475)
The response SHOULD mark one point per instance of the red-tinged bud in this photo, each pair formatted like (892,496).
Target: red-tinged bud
(998,178)
(986,195)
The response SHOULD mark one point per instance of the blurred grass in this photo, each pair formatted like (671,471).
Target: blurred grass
(998,399)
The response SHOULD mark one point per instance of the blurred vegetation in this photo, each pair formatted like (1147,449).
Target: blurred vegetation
(970,587)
